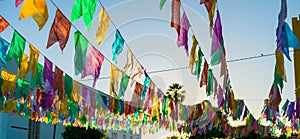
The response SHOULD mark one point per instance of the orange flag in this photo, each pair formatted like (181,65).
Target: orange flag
(175,20)
(3,24)
(210,7)
(60,31)
(204,78)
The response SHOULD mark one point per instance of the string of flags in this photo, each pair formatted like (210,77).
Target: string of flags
(69,102)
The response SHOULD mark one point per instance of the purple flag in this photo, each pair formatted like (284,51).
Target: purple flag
(217,41)
(182,39)
(48,74)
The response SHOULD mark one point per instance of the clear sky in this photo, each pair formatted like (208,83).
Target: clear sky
(248,29)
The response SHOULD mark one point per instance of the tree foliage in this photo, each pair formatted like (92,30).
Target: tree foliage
(176,92)
(82,133)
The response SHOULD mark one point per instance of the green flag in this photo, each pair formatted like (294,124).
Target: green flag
(161,4)
(86,9)
(68,84)
(81,45)
(38,79)
(210,83)
(123,85)
(16,49)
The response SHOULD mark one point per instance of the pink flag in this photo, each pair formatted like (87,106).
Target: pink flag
(182,39)
(18,2)
(93,63)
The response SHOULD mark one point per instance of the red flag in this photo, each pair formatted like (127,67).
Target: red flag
(204,74)
(60,30)
(275,97)
(175,20)
(18,2)
(137,93)
(59,82)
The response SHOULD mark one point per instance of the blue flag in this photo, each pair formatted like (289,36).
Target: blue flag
(117,46)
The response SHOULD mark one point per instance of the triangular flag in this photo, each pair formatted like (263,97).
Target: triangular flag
(117,46)
(210,7)
(18,2)
(81,45)
(129,63)
(16,49)
(103,25)
(182,39)
(175,20)
(60,31)
(3,49)
(86,9)
(3,24)
(204,77)
(33,60)
(114,75)
(93,64)
(37,9)
(217,46)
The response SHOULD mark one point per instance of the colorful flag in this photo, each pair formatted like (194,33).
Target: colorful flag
(93,63)
(9,82)
(86,9)
(210,81)
(193,54)
(18,2)
(3,49)
(135,75)
(275,98)
(104,21)
(210,7)
(136,97)
(16,49)
(280,65)
(59,82)
(117,46)
(68,85)
(147,82)
(48,74)
(33,60)
(217,45)
(38,79)
(37,9)
(175,19)
(60,31)
(3,24)
(22,71)
(204,77)
(161,4)
(81,45)
(182,39)
(123,85)
(129,63)
(114,75)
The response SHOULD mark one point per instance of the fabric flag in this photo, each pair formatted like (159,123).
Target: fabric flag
(60,31)
(9,82)
(280,65)
(86,9)
(135,75)
(286,39)
(147,82)
(37,9)
(68,85)
(136,97)
(48,74)
(93,63)
(129,63)
(182,39)
(16,49)
(114,75)
(161,4)
(220,97)
(123,85)
(81,45)
(210,7)
(193,54)
(117,46)
(103,25)
(175,20)
(199,62)
(33,60)
(22,71)
(210,81)
(204,74)
(275,98)
(282,15)
(18,2)
(217,45)
(59,82)
(3,49)
(3,24)
(38,79)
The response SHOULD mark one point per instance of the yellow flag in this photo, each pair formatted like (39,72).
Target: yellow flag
(114,74)
(76,91)
(211,15)
(193,54)
(9,82)
(103,25)
(37,9)
(33,60)
(280,65)
(23,68)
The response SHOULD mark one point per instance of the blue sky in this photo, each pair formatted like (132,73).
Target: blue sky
(248,29)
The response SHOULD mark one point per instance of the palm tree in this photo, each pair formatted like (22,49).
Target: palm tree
(175,92)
